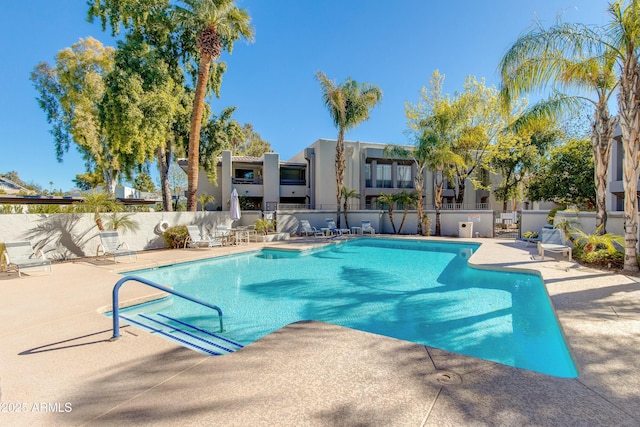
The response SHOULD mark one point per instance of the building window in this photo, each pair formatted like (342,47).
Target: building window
(367,175)
(383,176)
(404,176)
(244,174)
(292,176)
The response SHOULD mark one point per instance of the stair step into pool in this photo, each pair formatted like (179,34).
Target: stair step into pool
(183,333)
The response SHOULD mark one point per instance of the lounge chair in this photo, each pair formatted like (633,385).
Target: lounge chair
(110,244)
(552,240)
(195,239)
(20,256)
(367,228)
(333,228)
(307,229)
(224,234)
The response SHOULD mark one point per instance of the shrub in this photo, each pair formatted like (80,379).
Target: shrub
(530,235)
(176,237)
(600,257)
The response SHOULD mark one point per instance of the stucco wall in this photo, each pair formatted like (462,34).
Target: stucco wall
(67,236)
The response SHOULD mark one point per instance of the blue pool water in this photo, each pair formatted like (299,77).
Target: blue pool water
(417,291)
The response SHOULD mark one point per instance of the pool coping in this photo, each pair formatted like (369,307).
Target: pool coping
(310,373)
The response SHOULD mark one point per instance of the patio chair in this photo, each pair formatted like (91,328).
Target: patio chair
(367,228)
(552,240)
(307,229)
(20,256)
(333,228)
(195,239)
(110,244)
(224,234)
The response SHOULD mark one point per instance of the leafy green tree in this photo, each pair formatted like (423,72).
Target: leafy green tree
(434,127)
(349,104)
(565,176)
(546,57)
(143,182)
(88,181)
(252,144)
(145,101)
(475,124)
(218,134)
(518,152)
(70,94)
(199,29)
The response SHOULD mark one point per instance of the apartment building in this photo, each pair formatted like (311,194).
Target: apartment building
(307,180)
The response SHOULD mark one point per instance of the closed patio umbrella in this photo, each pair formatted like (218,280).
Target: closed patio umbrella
(234,209)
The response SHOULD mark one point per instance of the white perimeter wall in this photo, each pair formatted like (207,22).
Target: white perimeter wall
(67,236)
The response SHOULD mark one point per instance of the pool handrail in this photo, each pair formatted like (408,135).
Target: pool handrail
(116,308)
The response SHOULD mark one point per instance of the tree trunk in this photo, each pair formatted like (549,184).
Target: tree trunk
(109,182)
(419,183)
(438,201)
(462,183)
(164,162)
(193,159)
(393,225)
(629,107)
(346,220)
(601,138)
(339,170)
(404,216)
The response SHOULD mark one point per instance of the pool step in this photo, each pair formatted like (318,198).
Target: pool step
(184,334)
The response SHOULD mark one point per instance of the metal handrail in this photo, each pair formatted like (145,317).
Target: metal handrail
(116,308)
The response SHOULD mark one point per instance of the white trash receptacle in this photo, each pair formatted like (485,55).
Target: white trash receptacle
(465,229)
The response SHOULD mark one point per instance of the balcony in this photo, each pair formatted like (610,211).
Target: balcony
(249,181)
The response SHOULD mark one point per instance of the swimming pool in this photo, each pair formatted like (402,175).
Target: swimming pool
(418,291)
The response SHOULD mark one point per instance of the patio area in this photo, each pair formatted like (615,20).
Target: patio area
(58,367)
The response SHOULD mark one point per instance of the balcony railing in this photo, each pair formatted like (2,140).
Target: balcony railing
(255,181)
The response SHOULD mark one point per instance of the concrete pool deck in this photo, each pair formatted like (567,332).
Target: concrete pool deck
(58,367)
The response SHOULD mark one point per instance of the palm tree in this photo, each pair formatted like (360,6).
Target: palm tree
(217,24)
(96,203)
(349,104)
(406,199)
(624,39)
(347,194)
(544,57)
(620,38)
(388,200)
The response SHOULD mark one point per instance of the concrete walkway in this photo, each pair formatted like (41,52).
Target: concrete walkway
(58,367)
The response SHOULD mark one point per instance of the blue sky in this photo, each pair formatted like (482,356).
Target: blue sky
(395,45)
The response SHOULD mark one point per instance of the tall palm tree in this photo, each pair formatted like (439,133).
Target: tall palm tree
(623,37)
(548,57)
(349,104)
(217,24)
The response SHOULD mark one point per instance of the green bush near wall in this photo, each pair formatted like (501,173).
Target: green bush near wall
(176,237)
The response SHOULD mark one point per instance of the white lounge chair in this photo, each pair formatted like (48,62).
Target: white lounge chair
(110,244)
(333,228)
(195,239)
(20,256)
(307,229)
(367,228)
(552,240)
